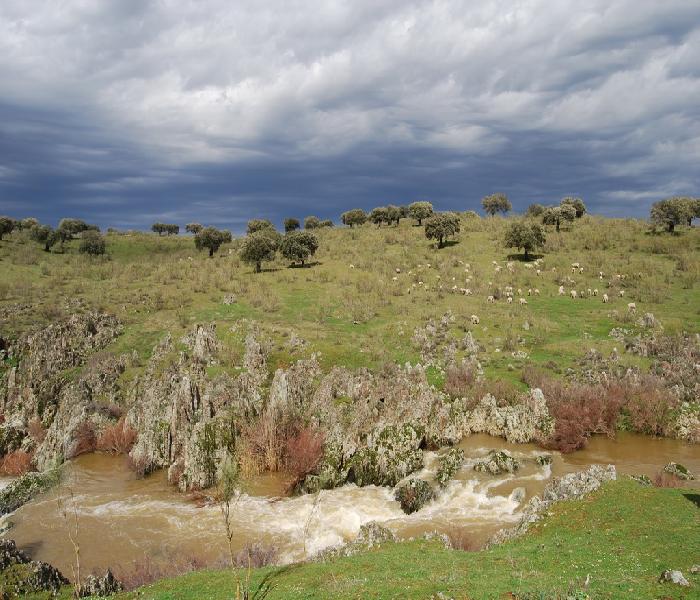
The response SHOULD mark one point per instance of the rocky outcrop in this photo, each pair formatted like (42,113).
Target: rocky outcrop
(497,462)
(449,464)
(571,486)
(679,470)
(669,576)
(58,382)
(23,576)
(26,487)
(518,424)
(100,587)
(413,495)
(371,535)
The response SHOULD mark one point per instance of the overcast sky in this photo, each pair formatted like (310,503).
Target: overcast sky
(124,112)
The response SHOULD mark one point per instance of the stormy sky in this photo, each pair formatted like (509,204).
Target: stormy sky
(123,112)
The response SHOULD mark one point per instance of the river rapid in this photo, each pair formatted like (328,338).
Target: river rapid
(123,519)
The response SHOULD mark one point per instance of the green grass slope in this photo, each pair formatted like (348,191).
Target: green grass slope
(623,536)
(364,315)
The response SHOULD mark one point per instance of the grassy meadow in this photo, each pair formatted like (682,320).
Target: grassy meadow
(368,289)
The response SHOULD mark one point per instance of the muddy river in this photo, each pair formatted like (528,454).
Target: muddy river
(122,519)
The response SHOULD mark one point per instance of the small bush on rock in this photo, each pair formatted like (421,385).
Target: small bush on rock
(413,495)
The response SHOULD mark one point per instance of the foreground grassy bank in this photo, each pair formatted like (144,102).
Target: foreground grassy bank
(623,536)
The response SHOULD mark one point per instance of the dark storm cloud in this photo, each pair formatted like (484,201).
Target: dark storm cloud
(127,112)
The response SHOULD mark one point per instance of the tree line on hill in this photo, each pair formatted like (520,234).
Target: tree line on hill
(263,242)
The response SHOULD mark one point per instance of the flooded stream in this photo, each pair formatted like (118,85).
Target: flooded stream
(123,519)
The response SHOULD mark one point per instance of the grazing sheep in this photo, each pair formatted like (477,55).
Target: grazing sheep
(394,278)
(352,266)
(529,266)
(490,299)
(622,293)
(574,293)
(398,270)
(605,299)
(537,292)
(580,270)
(509,300)
(498,269)
(561,290)
(539,272)
(589,292)
(520,292)
(631,307)
(529,292)
(475,320)
(575,265)
(595,292)
(523,301)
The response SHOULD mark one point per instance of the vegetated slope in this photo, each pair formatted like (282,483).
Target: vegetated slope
(620,538)
(353,306)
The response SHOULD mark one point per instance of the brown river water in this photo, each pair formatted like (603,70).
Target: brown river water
(123,519)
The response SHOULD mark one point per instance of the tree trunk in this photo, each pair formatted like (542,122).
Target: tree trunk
(258,267)
(526,254)
(557,224)
(211,252)
(302,263)
(671,226)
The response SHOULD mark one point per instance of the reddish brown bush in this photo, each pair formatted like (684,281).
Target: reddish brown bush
(16,463)
(36,430)
(303,452)
(460,539)
(117,439)
(649,406)
(459,379)
(666,480)
(145,571)
(579,411)
(256,555)
(84,440)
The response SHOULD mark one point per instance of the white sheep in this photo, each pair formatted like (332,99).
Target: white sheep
(529,292)
(523,302)
(595,292)
(574,293)
(398,270)
(467,292)
(631,307)
(622,293)
(561,290)
(589,292)
(537,292)
(539,272)
(520,292)
(352,266)
(475,320)
(606,299)
(509,300)
(490,299)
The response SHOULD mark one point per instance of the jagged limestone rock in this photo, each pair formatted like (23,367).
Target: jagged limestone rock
(497,462)
(23,576)
(413,495)
(101,587)
(570,486)
(26,487)
(449,464)
(679,471)
(392,454)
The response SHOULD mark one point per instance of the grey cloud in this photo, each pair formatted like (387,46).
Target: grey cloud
(125,110)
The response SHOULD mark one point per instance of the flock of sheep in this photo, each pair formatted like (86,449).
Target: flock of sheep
(510,293)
